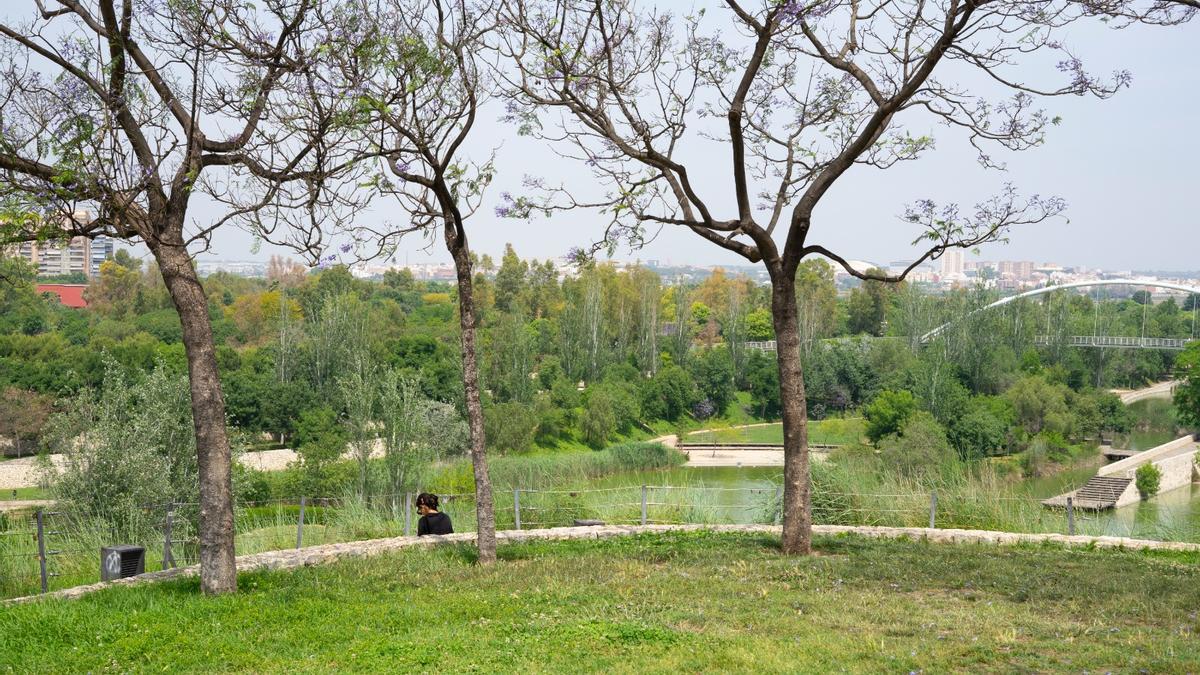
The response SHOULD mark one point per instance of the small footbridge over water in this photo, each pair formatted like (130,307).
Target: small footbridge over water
(1113,486)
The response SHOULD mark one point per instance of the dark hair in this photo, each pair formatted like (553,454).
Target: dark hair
(427,499)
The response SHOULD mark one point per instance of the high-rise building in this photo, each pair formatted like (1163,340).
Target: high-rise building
(952,263)
(79,254)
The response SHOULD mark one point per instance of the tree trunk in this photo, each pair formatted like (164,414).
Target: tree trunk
(797,498)
(218,572)
(485,515)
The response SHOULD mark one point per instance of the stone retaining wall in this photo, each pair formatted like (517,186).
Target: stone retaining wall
(327,553)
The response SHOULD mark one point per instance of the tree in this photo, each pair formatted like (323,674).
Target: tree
(139,449)
(1039,405)
(868,306)
(887,414)
(763,378)
(805,102)
(1187,392)
(669,394)
(510,280)
(758,326)
(320,442)
(115,292)
(415,431)
(359,391)
(816,302)
(23,415)
(919,446)
(128,112)
(410,69)
(510,426)
(712,372)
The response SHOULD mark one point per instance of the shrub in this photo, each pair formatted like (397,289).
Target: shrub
(1147,480)
(887,414)
(129,443)
(510,427)
(921,446)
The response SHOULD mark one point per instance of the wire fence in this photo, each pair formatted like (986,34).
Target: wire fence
(51,548)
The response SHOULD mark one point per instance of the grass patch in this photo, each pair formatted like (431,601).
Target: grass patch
(679,602)
(11,494)
(836,431)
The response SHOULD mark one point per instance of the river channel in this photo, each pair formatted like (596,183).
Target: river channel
(743,495)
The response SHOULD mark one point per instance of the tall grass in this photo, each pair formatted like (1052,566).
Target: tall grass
(530,471)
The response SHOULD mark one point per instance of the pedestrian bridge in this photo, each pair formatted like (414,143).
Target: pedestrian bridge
(1094,340)
(1114,341)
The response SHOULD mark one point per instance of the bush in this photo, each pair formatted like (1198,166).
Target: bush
(887,414)
(712,372)
(510,427)
(610,409)
(669,394)
(920,447)
(1147,479)
(127,444)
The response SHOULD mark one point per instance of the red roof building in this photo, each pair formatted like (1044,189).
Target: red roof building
(70,295)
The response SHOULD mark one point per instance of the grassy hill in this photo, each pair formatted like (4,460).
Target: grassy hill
(651,603)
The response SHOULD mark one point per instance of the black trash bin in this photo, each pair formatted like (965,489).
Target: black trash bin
(118,562)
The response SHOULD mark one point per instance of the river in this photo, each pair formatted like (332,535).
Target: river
(742,495)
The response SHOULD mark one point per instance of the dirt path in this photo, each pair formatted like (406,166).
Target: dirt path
(1156,390)
(23,504)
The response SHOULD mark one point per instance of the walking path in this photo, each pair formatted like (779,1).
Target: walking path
(1157,390)
(21,504)
(327,553)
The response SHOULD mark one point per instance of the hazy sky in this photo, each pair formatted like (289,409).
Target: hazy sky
(1126,166)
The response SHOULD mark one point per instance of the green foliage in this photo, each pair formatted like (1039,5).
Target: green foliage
(609,408)
(982,428)
(510,427)
(1147,478)
(887,414)
(128,443)
(712,372)
(320,442)
(1187,392)
(1040,405)
(759,325)
(669,394)
(920,446)
(762,376)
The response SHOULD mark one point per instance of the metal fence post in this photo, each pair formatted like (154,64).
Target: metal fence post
(644,489)
(168,557)
(41,541)
(1070,516)
(778,504)
(933,509)
(517,508)
(408,514)
(300,524)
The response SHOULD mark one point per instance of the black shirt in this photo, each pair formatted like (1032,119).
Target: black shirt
(434,523)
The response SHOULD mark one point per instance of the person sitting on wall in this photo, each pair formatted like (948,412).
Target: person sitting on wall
(432,521)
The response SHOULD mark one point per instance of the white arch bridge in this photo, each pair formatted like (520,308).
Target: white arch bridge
(1142,342)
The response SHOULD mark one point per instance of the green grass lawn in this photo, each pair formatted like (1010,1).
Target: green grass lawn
(830,431)
(679,602)
(24,493)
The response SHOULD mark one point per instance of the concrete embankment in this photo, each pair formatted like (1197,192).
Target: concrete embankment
(1115,485)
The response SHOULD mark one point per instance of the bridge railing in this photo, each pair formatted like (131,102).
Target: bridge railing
(1113,341)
